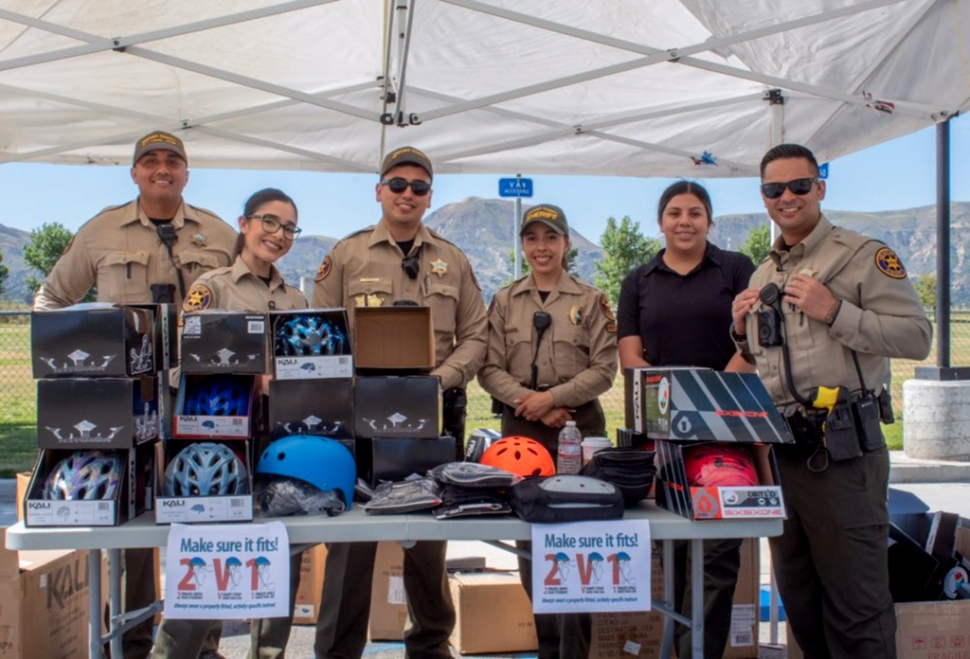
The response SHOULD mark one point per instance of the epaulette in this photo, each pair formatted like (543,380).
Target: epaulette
(851,239)
(199,209)
(369,229)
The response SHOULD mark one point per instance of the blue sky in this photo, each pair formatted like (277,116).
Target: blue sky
(895,175)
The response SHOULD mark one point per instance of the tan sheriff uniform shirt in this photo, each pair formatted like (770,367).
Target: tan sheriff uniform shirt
(364,269)
(577,353)
(881,315)
(120,251)
(236,288)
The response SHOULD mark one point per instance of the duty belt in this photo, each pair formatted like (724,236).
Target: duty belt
(806,428)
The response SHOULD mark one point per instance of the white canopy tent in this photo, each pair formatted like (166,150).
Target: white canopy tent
(620,87)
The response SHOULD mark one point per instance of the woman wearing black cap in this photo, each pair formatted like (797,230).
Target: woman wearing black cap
(551,353)
(676,311)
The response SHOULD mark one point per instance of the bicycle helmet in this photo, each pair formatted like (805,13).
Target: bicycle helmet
(205,469)
(84,475)
(308,334)
(520,455)
(326,464)
(217,395)
(720,465)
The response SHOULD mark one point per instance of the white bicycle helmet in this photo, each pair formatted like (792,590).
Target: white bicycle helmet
(205,469)
(84,475)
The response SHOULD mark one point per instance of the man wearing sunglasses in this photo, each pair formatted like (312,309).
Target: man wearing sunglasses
(846,307)
(148,250)
(400,260)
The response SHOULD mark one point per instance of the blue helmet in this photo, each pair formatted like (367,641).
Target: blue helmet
(85,475)
(205,469)
(309,334)
(326,464)
(218,395)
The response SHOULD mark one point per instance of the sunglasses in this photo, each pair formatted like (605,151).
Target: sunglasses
(800,186)
(397,185)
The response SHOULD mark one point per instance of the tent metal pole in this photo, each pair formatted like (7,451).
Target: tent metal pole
(943,244)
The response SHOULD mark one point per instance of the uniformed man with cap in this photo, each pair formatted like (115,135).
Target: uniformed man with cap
(148,250)
(400,259)
(551,353)
(846,306)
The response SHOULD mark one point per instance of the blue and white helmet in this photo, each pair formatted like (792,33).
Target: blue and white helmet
(205,469)
(84,475)
(218,395)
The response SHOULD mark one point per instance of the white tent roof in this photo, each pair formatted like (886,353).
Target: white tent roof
(618,87)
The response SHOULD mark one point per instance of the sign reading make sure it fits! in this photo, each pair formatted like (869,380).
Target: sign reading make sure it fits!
(225,572)
(590,567)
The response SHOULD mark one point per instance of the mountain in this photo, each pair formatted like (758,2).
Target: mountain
(483,229)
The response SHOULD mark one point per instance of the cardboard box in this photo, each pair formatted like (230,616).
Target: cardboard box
(23,482)
(390,406)
(201,509)
(311,344)
(45,603)
(381,459)
(92,340)
(394,339)
(743,638)
(311,407)
(131,498)
(215,407)
(218,341)
(702,405)
(388,603)
(166,334)
(676,494)
(97,413)
(631,634)
(306,609)
(494,614)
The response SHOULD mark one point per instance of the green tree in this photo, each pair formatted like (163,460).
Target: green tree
(571,264)
(758,244)
(925,286)
(624,248)
(4,272)
(46,246)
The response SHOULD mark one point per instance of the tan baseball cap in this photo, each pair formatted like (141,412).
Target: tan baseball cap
(406,155)
(159,140)
(552,216)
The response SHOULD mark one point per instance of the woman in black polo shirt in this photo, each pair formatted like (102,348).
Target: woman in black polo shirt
(676,311)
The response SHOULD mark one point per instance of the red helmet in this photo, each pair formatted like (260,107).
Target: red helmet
(520,455)
(720,465)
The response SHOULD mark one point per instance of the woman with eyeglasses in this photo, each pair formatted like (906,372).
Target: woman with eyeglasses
(676,311)
(551,353)
(267,229)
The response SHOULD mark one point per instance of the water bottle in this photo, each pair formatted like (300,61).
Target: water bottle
(570,450)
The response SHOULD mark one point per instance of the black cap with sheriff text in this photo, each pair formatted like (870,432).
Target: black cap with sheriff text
(406,155)
(552,216)
(159,140)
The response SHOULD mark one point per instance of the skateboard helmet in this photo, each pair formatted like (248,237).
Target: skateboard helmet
(720,465)
(84,475)
(218,395)
(520,455)
(323,463)
(205,469)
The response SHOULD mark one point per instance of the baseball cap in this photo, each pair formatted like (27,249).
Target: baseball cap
(552,216)
(406,155)
(159,140)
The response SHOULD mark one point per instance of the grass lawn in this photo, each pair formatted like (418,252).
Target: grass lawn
(18,448)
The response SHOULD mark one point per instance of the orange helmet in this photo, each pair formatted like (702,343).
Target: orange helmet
(520,455)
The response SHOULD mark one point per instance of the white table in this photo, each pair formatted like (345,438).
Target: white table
(357,526)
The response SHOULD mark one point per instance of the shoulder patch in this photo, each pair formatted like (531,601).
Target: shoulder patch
(889,264)
(198,298)
(325,269)
(607,310)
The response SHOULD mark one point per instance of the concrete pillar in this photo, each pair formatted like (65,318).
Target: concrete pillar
(936,419)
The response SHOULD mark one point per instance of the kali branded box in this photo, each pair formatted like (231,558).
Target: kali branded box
(311,407)
(170,504)
(675,492)
(392,406)
(119,481)
(97,413)
(703,405)
(215,407)
(93,340)
(486,602)
(311,344)
(381,459)
(217,341)
(45,603)
(393,339)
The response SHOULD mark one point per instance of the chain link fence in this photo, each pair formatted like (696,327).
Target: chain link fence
(18,392)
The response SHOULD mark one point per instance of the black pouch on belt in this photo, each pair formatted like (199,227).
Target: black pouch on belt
(840,435)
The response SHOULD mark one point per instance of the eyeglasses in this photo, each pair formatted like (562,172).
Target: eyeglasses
(397,185)
(272,224)
(800,186)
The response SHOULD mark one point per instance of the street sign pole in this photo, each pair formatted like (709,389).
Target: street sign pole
(516,243)
(517,187)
